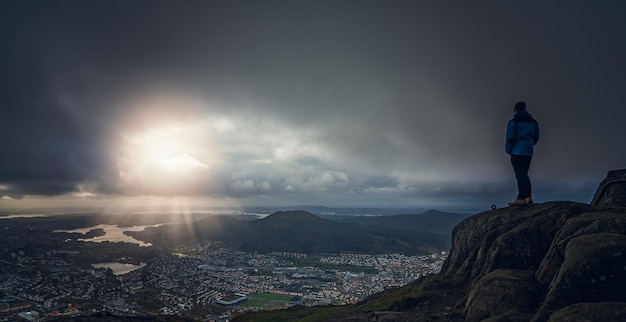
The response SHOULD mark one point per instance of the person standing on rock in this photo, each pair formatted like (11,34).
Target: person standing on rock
(522,133)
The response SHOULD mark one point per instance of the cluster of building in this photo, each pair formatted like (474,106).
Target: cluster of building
(198,278)
(35,292)
(208,272)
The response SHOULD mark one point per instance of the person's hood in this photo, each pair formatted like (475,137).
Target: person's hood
(522,116)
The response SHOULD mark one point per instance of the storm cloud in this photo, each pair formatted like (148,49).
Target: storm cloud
(286,102)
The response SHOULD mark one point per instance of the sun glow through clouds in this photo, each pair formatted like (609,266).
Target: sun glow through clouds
(208,153)
(164,159)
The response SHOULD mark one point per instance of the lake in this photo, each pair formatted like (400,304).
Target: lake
(119,268)
(112,233)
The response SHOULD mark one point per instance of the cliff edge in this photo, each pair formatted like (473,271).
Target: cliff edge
(556,261)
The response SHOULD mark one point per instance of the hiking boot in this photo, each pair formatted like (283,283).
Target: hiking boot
(529,200)
(517,202)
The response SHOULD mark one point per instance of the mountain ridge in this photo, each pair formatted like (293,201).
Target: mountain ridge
(303,232)
(434,221)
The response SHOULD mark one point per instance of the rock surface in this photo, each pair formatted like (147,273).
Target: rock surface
(585,312)
(527,263)
(612,190)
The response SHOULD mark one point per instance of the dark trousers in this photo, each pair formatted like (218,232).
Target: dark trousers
(521,164)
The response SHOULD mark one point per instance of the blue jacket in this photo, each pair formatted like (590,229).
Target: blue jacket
(522,133)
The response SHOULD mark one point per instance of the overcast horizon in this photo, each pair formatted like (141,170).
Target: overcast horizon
(282,103)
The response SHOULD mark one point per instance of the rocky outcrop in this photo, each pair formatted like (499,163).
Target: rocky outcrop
(612,190)
(543,262)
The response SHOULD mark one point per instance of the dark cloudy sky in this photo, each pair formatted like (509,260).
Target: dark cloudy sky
(342,103)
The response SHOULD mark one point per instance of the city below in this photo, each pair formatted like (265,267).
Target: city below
(67,273)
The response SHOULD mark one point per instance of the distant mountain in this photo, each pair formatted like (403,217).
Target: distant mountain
(303,232)
(433,221)
(347,211)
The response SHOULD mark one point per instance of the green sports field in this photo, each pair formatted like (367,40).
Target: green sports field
(266,300)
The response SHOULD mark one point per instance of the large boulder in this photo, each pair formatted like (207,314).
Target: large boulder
(507,238)
(612,190)
(504,295)
(586,312)
(585,224)
(593,270)
(526,263)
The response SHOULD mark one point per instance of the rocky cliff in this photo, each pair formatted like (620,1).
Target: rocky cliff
(556,261)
